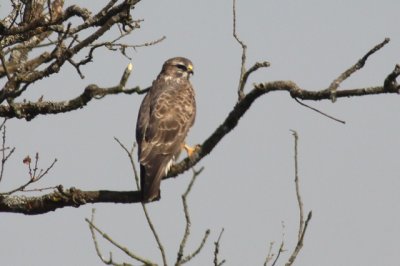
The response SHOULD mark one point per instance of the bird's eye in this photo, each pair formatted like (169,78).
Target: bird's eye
(182,67)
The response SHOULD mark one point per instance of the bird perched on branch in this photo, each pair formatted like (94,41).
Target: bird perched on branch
(167,112)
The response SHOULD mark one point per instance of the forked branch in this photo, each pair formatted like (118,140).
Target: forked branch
(303,224)
(93,229)
(182,258)
(357,66)
(244,73)
(30,110)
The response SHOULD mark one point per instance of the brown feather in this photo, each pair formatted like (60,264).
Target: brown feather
(165,116)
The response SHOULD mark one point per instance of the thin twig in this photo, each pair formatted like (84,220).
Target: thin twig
(114,45)
(96,244)
(320,112)
(360,63)
(148,43)
(297,181)
(146,214)
(32,176)
(131,160)
(131,254)
(187,219)
(40,189)
(302,225)
(300,243)
(199,248)
(5,156)
(77,67)
(181,259)
(216,250)
(244,52)
(270,255)
(252,69)
(244,74)
(280,250)
(155,234)
(30,46)
(35,168)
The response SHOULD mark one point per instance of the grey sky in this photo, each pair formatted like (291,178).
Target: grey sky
(349,173)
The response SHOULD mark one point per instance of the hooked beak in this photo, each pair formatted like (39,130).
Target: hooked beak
(190,69)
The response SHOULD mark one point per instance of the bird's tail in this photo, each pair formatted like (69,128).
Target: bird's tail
(150,184)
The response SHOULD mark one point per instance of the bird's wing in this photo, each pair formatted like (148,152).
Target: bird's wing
(143,119)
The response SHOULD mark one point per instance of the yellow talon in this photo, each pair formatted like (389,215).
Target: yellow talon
(191,150)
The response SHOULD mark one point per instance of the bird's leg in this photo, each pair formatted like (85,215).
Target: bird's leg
(190,150)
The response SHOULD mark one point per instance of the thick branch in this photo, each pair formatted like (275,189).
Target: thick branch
(260,89)
(64,198)
(50,202)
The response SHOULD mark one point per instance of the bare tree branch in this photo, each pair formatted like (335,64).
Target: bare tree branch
(30,110)
(244,74)
(64,198)
(155,234)
(296,92)
(280,250)
(244,51)
(270,255)
(21,38)
(302,224)
(4,156)
(208,145)
(199,248)
(181,259)
(360,63)
(300,242)
(216,250)
(33,177)
(297,181)
(318,111)
(122,47)
(110,261)
(146,213)
(241,108)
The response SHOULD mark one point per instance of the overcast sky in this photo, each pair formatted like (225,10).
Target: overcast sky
(349,173)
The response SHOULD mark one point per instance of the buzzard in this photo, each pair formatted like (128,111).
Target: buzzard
(167,112)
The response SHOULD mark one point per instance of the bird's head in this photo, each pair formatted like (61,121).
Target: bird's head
(178,67)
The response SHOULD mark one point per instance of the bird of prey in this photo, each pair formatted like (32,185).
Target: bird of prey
(165,116)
